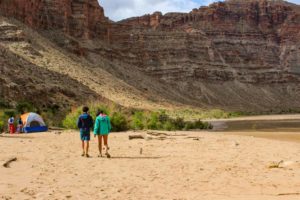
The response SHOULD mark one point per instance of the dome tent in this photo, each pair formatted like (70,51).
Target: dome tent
(33,122)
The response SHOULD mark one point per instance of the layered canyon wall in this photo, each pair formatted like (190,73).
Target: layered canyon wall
(237,55)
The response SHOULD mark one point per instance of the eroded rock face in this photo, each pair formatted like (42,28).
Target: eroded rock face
(225,41)
(78,18)
(237,54)
(230,53)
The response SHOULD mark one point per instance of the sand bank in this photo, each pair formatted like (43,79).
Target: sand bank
(185,166)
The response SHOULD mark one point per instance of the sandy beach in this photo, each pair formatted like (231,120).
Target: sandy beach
(175,166)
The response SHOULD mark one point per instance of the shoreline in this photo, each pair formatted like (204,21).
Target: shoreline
(260,118)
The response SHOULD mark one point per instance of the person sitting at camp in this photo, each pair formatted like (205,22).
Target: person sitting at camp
(102,129)
(11,126)
(85,123)
(20,126)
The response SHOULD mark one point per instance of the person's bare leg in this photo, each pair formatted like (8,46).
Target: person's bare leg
(100,145)
(87,149)
(83,151)
(105,138)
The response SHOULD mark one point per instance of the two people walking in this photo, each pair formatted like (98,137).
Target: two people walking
(101,127)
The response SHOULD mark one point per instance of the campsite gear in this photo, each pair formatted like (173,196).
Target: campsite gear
(33,122)
(12,129)
(11,125)
(102,125)
(20,121)
(20,126)
(11,120)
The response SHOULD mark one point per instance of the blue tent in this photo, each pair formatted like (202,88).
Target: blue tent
(33,122)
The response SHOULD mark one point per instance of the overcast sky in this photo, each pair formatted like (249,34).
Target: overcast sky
(121,9)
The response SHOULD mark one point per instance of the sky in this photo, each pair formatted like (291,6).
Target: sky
(122,9)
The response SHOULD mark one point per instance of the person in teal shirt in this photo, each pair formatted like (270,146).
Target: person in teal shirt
(102,129)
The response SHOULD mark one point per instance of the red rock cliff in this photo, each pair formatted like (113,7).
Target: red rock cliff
(79,18)
(237,53)
(251,48)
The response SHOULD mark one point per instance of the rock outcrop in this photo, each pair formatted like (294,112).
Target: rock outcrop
(21,80)
(243,54)
(78,18)
(237,54)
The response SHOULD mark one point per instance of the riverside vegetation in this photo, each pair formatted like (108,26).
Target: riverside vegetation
(123,119)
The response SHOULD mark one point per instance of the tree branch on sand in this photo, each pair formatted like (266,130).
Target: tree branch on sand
(7,163)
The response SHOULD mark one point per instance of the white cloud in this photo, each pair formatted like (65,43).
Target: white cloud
(295,1)
(121,9)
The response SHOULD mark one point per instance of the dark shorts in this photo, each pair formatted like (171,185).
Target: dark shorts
(85,135)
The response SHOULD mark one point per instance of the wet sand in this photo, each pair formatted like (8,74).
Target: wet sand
(175,165)
(273,135)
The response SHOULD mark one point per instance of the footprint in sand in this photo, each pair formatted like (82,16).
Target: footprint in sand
(28,192)
(6,197)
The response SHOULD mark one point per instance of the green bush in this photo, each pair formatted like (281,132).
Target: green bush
(123,120)
(218,114)
(119,122)
(188,126)
(153,122)
(179,123)
(163,117)
(70,121)
(169,126)
(138,119)
(1,126)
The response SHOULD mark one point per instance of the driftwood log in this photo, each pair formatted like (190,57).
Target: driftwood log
(7,163)
(287,194)
(151,135)
(131,137)
(157,133)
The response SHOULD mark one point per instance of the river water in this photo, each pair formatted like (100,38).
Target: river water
(286,130)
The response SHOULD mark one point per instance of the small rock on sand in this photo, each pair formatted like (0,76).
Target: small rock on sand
(235,143)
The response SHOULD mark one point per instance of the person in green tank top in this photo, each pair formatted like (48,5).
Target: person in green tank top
(101,130)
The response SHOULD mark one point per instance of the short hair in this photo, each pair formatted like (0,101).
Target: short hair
(101,112)
(85,109)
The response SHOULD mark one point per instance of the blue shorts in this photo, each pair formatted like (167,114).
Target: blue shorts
(85,135)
